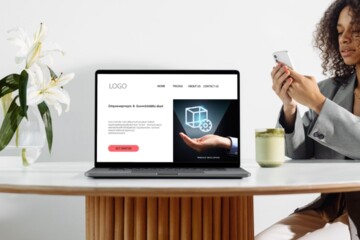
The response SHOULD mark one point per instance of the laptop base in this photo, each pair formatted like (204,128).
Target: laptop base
(206,173)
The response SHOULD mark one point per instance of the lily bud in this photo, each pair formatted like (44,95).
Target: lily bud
(33,54)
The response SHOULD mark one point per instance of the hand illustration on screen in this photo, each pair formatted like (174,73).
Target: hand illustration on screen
(207,141)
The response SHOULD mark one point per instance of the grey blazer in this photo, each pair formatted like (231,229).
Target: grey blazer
(334,133)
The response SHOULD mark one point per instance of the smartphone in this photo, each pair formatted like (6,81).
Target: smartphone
(284,58)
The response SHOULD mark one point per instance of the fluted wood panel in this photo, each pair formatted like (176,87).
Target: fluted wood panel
(196,216)
(140,218)
(249,217)
(186,223)
(90,218)
(175,218)
(233,219)
(242,220)
(152,218)
(109,228)
(207,218)
(225,218)
(216,218)
(102,212)
(97,218)
(163,219)
(129,219)
(119,218)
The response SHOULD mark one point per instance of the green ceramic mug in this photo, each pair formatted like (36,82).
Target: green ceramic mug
(270,147)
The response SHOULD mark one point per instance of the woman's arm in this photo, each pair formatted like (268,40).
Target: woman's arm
(338,129)
(297,144)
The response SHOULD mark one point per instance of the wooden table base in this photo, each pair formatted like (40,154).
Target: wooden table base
(183,218)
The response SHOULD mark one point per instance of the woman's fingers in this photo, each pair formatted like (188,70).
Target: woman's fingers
(286,86)
(296,76)
(274,71)
(277,70)
(279,77)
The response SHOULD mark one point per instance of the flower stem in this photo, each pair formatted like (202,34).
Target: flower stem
(17,137)
(24,159)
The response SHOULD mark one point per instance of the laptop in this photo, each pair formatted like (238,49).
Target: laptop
(167,124)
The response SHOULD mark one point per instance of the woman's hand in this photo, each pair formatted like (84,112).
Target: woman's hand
(281,82)
(304,89)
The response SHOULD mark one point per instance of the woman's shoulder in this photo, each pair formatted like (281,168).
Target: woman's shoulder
(330,80)
(328,83)
(334,82)
(328,86)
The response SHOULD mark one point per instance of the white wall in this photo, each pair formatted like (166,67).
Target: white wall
(158,34)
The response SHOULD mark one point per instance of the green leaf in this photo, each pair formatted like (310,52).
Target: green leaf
(46,117)
(22,91)
(10,123)
(9,84)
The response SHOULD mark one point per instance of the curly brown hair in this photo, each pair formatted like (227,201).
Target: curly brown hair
(326,38)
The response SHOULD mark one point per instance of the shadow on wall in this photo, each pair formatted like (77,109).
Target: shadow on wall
(74,131)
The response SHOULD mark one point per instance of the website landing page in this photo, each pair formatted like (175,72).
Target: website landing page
(140,116)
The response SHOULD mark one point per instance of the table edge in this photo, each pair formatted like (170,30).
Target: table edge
(177,192)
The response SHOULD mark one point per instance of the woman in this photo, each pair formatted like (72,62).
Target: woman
(331,127)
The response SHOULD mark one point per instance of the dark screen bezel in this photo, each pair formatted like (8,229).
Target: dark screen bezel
(235,163)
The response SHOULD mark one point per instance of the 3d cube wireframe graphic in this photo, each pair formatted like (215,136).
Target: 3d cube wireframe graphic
(197,117)
(194,116)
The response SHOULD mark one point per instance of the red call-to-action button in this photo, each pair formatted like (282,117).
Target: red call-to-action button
(123,148)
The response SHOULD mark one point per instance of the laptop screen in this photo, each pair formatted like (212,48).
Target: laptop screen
(167,118)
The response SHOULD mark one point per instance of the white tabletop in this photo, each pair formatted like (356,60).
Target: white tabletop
(67,178)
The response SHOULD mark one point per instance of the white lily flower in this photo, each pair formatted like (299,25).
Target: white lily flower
(43,88)
(33,54)
(31,49)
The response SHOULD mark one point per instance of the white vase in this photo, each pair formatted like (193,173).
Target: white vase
(28,141)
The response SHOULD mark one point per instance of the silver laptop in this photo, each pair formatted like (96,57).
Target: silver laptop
(167,124)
